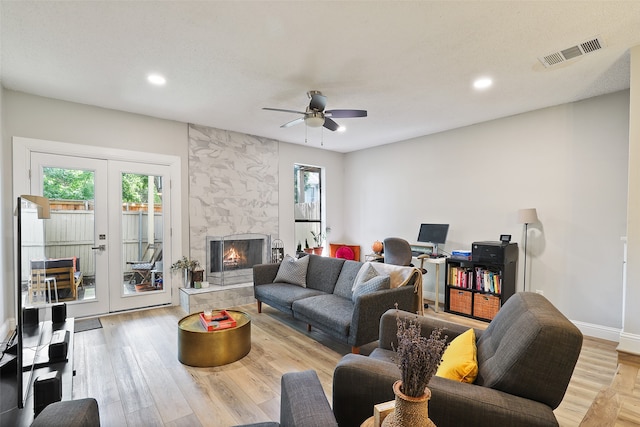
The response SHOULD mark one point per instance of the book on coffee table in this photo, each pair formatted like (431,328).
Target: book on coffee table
(220,320)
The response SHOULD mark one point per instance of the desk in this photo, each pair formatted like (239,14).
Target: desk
(374,257)
(437,262)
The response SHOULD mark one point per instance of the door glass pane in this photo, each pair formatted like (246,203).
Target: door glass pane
(308,208)
(69,234)
(142,239)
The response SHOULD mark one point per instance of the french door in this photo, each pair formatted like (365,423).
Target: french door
(112,218)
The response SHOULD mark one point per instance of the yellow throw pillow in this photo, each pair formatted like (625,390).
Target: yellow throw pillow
(459,361)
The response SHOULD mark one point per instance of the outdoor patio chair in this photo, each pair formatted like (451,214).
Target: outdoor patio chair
(142,269)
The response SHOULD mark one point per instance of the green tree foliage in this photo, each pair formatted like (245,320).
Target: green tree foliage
(134,188)
(68,184)
(71,184)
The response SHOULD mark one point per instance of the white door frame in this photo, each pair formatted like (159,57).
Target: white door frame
(23,147)
(99,304)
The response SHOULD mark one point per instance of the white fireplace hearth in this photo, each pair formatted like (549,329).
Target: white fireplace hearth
(216,297)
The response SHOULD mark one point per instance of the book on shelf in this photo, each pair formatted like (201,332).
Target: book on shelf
(221,320)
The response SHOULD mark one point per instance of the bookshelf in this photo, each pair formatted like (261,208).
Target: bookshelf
(478,289)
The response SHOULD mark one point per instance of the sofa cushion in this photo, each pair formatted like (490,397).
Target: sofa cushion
(345,280)
(293,271)
(323,272)
(459,361)
(376,283)
(331,311)
(284,294)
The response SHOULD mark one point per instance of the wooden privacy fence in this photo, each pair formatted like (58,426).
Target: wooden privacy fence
(70,233)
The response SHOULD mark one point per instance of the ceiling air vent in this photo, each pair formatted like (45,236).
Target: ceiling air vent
(571,52)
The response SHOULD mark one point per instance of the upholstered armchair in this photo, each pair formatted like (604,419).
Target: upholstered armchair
(525,359)
(302,403)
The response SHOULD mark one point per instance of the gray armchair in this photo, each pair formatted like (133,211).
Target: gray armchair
(526,357)
(302,403)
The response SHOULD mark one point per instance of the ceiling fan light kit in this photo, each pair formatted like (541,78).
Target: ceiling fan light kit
(315,114)
(314,119)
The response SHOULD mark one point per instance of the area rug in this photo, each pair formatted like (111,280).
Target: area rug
(82,325)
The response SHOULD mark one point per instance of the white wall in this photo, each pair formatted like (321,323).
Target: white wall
(629,339)
(569,162)
(32,116)
(333,186)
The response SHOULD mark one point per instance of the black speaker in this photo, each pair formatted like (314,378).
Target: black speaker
(46,389)
(30,316)
(59,313)
(59,346)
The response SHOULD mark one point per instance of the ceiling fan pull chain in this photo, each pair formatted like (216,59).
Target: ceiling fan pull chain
(322,136)
(305,134)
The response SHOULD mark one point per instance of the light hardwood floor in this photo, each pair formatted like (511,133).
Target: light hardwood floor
(130,366)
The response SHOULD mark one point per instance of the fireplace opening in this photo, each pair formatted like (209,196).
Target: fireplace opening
(235,254)
(230,259)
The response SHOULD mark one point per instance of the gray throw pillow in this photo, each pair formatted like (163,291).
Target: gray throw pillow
(374,284)
(293,271)
(368,273)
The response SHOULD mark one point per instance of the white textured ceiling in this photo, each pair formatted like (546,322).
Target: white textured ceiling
(409,63)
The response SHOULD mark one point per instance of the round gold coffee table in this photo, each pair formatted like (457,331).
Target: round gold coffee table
(199,347)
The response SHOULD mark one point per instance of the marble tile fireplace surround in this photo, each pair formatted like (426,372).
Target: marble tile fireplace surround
(233,194)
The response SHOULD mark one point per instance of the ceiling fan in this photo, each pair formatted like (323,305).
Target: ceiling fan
(316,115)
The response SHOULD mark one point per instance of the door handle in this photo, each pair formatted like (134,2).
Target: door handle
(100,247)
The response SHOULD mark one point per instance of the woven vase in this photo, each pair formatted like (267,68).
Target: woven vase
(409,411)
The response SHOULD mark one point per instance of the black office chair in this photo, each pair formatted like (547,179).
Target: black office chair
(397,251)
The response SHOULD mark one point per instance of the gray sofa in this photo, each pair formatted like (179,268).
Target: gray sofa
(326,304)
(302,403)
(69,413)
(526,357)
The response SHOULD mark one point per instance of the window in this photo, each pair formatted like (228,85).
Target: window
(307,184)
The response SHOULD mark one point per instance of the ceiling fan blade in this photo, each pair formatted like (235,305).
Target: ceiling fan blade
(318,102)
(293,122)
(330,124)
(282,110)
(340,114)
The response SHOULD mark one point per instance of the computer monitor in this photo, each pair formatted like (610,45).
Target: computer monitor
(433,233)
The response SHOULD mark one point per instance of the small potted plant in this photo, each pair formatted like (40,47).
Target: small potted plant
(418,358)
(307,248)
(188,266)
(318,238)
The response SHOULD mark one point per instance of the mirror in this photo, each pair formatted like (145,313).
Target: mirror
(31,299)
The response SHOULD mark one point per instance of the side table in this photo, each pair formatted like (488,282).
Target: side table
(380,411)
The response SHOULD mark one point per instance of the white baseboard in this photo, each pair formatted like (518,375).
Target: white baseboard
(598,331)
(629,343)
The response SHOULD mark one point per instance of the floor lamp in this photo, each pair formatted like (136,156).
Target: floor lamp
(526,217)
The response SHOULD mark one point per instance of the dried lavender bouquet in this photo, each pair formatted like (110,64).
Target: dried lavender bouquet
(418,357)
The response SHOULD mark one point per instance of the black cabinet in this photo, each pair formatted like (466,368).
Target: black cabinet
(478,289)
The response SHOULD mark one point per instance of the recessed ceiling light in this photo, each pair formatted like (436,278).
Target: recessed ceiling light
(482,83)
(156,79)
(342,129)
